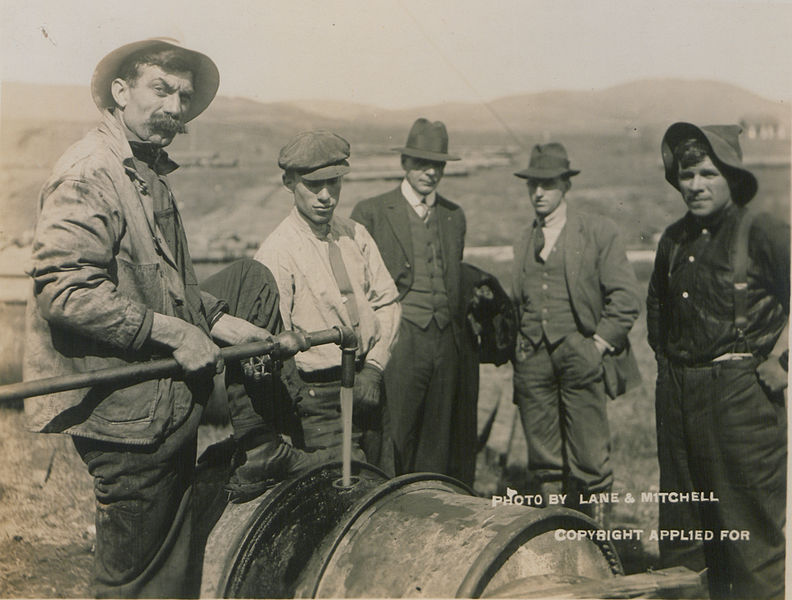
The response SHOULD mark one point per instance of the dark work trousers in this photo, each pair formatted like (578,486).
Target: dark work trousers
(561,397)
(421,388)
(144,515)
(718,432)
(320,414)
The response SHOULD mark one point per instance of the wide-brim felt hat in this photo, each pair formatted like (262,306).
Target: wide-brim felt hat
(206,77)
(547,161)
(427,140)
(724,143)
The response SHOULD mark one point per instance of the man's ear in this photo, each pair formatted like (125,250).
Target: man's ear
(288,179)
(119,88)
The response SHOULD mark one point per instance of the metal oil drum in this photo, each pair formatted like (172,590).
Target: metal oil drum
(418,535)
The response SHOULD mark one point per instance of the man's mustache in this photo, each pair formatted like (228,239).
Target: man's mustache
(166,124)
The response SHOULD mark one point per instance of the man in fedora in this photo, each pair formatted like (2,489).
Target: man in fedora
(330,273)
(577,298)
(113,285)
(718,312)
(421,236)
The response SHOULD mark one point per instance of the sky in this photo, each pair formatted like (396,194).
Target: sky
(403,53)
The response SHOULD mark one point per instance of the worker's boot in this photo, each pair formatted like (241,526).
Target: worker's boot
(258,467)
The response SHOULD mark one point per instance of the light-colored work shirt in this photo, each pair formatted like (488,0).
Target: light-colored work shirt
(310,299)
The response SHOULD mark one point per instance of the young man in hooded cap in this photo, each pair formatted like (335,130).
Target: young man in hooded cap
(717,311)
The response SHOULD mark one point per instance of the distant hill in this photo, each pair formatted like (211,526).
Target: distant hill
(638,103)
(33,113)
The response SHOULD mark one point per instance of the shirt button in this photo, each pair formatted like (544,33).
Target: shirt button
(544,286)
(691,258)
(544,310)
(705,231)
(685,294)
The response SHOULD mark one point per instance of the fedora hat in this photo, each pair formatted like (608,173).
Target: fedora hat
(724,144)
(206,78)
(427,140)
(547,162)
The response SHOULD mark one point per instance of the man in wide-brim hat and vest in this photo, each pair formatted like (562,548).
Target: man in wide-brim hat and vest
(718,312)
(114,284)
(421,236)
(577,298)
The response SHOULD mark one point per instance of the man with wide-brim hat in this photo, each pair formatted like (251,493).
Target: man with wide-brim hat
(717,312)
(421,236)
(114,285)
(577,299)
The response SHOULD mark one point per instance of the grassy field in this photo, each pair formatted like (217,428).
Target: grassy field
(46,508)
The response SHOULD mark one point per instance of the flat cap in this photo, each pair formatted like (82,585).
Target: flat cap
(316,155)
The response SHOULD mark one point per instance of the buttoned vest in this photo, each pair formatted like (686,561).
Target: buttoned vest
(427,297)
(545,299)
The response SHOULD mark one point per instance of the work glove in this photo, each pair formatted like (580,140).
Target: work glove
(367,388)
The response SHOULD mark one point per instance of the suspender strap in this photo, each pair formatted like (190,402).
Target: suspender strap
(740,273)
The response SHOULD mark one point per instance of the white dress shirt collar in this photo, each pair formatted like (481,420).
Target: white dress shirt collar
(556,219)
(414,198)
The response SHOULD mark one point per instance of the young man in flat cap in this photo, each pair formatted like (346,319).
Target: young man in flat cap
(577,298)
(718,312)
(329,273)
(114,284)
(421,236)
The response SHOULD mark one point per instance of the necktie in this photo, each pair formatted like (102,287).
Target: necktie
(538,239)
(423,208)
(344,284)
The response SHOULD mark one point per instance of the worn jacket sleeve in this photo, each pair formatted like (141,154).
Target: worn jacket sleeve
(621,299)
(79,226)
(382,296)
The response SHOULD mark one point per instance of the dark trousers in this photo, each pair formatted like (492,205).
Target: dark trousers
(144,515)
(421,387)
(718,432)
(561,397)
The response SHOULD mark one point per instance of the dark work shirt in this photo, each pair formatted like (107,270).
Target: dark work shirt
(690,307)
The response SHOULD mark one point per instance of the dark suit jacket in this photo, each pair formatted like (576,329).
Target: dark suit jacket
(386,219)
(603,289)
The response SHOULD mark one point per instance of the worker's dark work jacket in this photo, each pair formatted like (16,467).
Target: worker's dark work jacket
(101,267)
